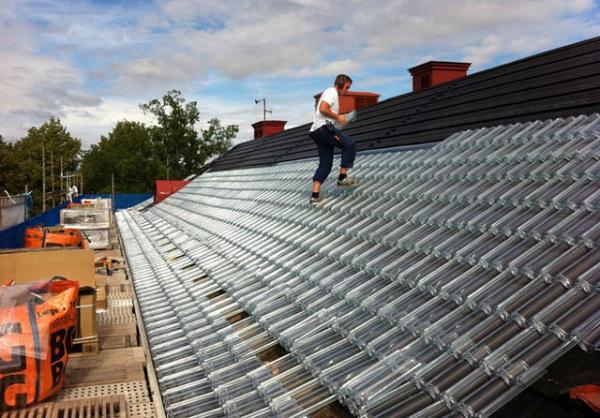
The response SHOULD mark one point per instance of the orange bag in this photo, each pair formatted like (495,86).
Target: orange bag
(38,237)
(34,237)
(68,237)
(37,326)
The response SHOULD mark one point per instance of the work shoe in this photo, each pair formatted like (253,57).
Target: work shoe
(316,200)
(348,182)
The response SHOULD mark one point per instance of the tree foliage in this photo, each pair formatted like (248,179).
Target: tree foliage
(126,152)
(177,143)
(21,162)
(7,167)
(134,153)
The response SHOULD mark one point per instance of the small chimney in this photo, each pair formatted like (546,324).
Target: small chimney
(433,73)
(268,127)
(165,188)
(354,100)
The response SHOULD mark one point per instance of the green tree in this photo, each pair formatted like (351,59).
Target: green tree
(53,141)
(8,168)
(128,153)
(177,144)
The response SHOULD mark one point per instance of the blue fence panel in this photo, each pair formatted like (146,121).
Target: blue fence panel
(13,237)
(122,201)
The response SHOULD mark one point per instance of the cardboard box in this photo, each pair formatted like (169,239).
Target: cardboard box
(86,334)
(101,302)
(87,328)
(29,265)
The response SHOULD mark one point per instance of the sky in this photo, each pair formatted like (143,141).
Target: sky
(91,63)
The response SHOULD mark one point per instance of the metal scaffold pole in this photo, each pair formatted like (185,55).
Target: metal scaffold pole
(43,178)
(112,181)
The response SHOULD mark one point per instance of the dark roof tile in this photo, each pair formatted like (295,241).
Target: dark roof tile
(557,83)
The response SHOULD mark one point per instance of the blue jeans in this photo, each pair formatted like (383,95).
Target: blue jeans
(325,138)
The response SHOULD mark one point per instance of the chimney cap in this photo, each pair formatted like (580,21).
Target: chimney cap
(354,93)
(440,65)
(269,122)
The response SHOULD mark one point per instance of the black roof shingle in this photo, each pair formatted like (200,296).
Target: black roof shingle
(557,83)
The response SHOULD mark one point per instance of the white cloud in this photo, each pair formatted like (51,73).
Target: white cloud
(524,41)
(92,123)
(300,39)
(59,58)
(33,88)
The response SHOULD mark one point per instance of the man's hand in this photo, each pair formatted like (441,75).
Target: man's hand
(325,109)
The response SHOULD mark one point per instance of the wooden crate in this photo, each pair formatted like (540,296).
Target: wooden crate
(109,366)
(117,336)
(85,347)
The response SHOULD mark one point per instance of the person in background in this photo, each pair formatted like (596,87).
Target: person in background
(327,135)
(71,193)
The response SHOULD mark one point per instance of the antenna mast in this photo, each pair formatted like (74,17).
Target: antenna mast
(265,111)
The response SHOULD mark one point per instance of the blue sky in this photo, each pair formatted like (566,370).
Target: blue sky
(91,63)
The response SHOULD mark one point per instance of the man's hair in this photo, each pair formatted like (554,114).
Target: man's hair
(341,80)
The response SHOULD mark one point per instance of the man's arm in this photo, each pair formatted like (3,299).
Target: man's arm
(325,109)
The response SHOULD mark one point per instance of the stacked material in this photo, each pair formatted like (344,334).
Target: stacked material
(444,284)
(97,203)
(92,219)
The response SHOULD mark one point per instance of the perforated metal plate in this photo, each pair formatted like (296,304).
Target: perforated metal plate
(141,410)
(99,407)
(103,407)
(134,392)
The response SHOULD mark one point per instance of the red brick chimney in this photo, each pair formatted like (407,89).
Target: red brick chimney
(433,73)
(354,100)
(268,127)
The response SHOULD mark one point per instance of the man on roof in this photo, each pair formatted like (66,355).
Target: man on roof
(326,133)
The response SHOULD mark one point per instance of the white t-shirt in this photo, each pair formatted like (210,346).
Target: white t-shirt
(330,96)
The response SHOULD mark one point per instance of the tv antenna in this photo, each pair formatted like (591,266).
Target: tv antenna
(265,111)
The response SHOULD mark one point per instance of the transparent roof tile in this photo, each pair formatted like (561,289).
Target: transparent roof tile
(445,283)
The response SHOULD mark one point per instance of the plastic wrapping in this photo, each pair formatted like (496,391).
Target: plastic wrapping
(97,218)
(37,326)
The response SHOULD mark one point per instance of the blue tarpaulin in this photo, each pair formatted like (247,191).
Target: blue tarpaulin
(122,201)
(13,237)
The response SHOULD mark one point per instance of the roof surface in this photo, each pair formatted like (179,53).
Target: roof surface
(443,284)
(557,83)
